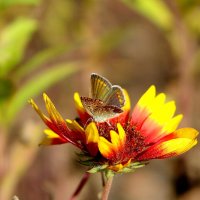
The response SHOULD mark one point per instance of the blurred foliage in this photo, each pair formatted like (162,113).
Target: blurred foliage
(13,41)
(23,75)
(36,86)
(6,3)
(63,21)
(191,19)
(37,60)
(186,5)
(154,10)
(6,89)
(110,40)
(158,12)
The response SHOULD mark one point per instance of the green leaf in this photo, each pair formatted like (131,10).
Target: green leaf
(13,41)
(98,168)
(191,21)
(136,165)
(37,85)
(5,3)
(154,10)
(6,89)
(37,60)
(41,58)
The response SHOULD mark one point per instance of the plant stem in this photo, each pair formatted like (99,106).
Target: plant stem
(103,179)
(107,188)
(81,185)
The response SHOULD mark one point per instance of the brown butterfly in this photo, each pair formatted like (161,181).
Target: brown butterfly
(106,100)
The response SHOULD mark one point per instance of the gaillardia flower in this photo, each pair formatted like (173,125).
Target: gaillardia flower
(126,141)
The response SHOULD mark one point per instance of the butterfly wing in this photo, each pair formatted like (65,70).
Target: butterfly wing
(100,87)
(106,100)
(88,104)
(103,113)
(98,111)
(116,97)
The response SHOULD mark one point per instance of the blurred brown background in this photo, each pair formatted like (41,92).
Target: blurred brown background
(53,46)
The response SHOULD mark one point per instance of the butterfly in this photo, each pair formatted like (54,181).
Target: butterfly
(106,100)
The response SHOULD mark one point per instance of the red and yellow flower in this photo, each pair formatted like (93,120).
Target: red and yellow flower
(125,142)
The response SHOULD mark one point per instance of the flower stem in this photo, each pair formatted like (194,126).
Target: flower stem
(107,188)
(103,179)
(81,185)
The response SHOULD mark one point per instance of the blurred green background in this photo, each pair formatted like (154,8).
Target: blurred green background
(53,46)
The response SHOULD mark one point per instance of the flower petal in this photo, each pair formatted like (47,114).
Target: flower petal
(118,139)
(172,124)
(92,138)
(127,104)
(153,117)
(115,140)
(77,132)
(114,148)
(147,97)
(53,113)
(122,134)
(84,116)
(55,121)
(143,107)
(165,113)
(92,134)
(52,138)
(42,116)
(105,148)
(153,131)
(174,144)
(176,147)
(189,133)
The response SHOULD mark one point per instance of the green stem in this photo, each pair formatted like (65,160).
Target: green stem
(107,188)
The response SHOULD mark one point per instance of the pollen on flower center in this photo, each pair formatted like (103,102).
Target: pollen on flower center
(105,128)
(134,141)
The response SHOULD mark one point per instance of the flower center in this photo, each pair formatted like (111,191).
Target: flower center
(105,128)
(134,140)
